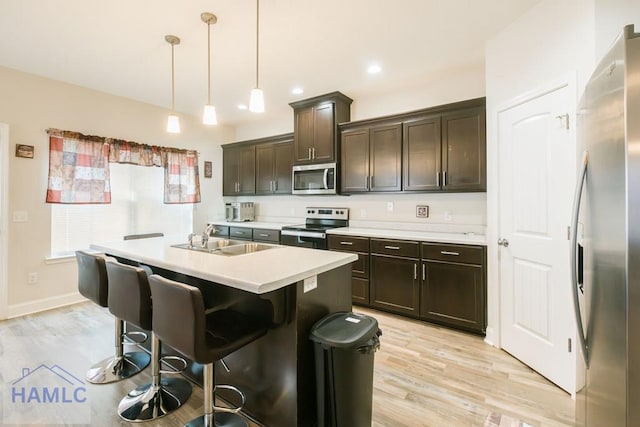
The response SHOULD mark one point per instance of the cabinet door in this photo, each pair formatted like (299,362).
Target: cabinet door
(282,167)
(303,142)
(324,133)
(453,294)
(359,290)
(230,168)
(385,158)
(421,151)
(355,161)
(464,151)
(395,284)
(247,172)
(264,169)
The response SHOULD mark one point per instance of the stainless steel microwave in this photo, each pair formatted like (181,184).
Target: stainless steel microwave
(314,179)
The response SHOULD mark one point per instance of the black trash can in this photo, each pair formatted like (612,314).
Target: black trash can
(344,347)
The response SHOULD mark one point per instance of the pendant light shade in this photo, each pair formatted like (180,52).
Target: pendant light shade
(256,102)
(209,116)
(173,122)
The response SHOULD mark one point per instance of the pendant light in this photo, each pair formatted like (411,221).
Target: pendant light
(256,102)
(209,116)
(173,123)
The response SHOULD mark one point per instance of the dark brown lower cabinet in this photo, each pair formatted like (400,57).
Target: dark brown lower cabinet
(395,283)
(453,286)
(359,268)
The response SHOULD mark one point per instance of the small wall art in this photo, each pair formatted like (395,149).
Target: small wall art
(24,151)
(208,169)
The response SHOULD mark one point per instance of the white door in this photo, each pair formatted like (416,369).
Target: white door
(4,222)
(536,145)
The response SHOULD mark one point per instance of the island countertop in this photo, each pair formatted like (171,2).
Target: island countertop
(257,272)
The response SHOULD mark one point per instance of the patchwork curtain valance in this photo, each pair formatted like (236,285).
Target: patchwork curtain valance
(79,167)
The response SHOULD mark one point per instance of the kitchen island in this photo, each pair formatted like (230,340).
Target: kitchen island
(289,288)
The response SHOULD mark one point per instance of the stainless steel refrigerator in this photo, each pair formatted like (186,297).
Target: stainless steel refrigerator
(606,239)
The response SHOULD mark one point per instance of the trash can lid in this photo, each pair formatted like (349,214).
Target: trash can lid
(344,329)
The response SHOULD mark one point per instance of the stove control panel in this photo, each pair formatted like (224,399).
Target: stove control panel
(328,213)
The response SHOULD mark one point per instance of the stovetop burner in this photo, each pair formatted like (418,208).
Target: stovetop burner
(322,219)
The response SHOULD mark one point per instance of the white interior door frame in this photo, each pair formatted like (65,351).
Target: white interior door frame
(493,332)
(4,217)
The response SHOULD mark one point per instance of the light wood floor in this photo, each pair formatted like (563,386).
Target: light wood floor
(424,375)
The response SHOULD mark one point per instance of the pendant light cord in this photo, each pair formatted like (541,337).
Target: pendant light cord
(209,63)
(257,40)
(173,91)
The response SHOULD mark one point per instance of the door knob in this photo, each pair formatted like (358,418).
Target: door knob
(503,242)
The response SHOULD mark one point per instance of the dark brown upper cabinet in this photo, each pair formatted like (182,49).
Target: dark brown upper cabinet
(238,170)
(464,150)
(436,149)
(371,159)
(273,166)
(316,125)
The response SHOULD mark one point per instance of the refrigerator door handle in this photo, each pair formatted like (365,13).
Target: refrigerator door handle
(574,256)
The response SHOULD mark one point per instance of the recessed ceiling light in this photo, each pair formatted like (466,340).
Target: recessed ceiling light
(297,91)
(242,107)
(374,69)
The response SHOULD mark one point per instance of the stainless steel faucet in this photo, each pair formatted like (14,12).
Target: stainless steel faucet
(206,233)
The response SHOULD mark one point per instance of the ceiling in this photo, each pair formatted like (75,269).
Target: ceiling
(118,46)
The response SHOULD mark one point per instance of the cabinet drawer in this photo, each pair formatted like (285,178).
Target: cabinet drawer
(401,248)
(348,243)
(241,233)
(266,235)
(220,230)
(453,253)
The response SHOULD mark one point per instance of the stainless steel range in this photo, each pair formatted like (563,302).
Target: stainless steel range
(312,234)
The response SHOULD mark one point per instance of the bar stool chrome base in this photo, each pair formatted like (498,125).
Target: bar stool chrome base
(117,368)
(223,419)
(149,402)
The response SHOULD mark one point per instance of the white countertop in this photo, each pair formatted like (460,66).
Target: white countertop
(257,272)
(423,236)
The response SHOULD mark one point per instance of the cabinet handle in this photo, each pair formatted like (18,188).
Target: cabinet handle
(371,182)
(424,272)
(313,153)
(392,247)
(438,179)
(346,243)
(444,178)
(415,271)
(263,235)
(275,185)
(449,253)
(309,154)
(240,232)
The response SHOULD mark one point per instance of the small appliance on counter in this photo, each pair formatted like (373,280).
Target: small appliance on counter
(239,211)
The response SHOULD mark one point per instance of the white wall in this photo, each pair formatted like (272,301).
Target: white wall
(553,41)
(32,104)
(610,17)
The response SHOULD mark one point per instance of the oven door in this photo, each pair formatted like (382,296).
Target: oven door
(303,239)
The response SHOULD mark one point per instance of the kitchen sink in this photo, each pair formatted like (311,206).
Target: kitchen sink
(245,248)
(226,247)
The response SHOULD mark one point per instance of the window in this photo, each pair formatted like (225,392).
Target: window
(136,207)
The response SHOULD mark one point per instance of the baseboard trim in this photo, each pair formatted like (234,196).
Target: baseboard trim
(17,310)
(489,337)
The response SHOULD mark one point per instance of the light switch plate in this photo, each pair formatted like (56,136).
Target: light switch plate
(20,216)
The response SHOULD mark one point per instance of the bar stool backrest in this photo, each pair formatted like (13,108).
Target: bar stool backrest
(129,294)
(179,317)
(92,277)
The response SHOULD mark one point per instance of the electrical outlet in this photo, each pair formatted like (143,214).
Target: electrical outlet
(32,278)
(363,213)
(20,216)
(448,217)
(389,206)
(422,211)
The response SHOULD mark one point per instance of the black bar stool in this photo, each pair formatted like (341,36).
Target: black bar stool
(93,285)
(204,338)
(130,299)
